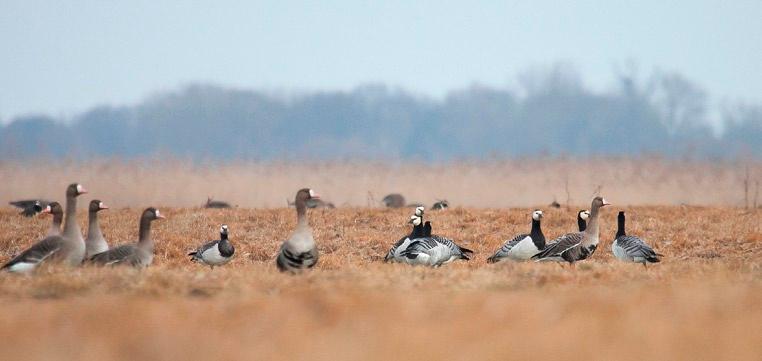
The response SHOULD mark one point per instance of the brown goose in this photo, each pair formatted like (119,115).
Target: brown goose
(67,248)
(394,200)
(95,243)
(137,255)
(299,251)
(55,209)
(573,247)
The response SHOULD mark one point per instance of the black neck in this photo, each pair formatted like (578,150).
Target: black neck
(620,226)
(223,236)
(536,233)
(581,223)
(427,229)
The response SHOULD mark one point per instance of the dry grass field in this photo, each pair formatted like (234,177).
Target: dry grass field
(703,302)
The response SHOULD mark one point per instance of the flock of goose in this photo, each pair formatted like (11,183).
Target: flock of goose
(67,246)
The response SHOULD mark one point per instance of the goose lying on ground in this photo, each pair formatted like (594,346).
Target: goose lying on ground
(442,204)
(138,255)
(523,246)
(394,200)
(573,247)
(215,253)
(54,208)
(631,248)
(95,242)
(582,217)
(395,253)
(67,248)
(216,204)
(433,250)
(30,207)
(299,251)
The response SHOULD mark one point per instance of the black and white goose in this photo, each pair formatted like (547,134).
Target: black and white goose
(631,248)
(138,255)
(577,246)
(395,253)
(299,251)
(432,250)
(30,207)
(215,253)
(67,248)
(582,217)
(523,246)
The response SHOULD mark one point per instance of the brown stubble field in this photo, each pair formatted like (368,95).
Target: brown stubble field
(703,302)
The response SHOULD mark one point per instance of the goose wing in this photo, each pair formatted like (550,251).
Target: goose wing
(124,254)
(289,260)
(34,255)
(634,247)
(561,246)
(197,254)
(507,247)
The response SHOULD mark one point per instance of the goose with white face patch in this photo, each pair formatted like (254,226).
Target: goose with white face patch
(54,209)
(395,253)
(215,253)
(137,255)
(523,246)
(95,242)
(299,252)
(631,248)
(67,248)
(582,217)
(577,246)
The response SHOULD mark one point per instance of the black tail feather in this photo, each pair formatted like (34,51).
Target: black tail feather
(465,250)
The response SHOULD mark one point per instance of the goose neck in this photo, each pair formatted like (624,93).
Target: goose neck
(71,228)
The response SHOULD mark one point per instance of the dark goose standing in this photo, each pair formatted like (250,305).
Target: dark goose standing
(299,251)
(573,247)
(67,248)
(54,209)
(95,242)
(582,217)
(631,248)
(523,246)
(215,253)
(137,255)
(395,253)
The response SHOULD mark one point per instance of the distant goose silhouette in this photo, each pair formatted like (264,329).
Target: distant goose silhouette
(210,203)
(394,200)
(215,253)
(442,204)
(631,248)
(577,246)
(523,246)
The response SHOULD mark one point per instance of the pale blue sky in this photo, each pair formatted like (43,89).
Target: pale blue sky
(62,57)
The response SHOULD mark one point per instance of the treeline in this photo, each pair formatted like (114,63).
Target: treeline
(552,114)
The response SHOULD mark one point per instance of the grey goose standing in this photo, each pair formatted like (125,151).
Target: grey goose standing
(95,242)
(54,209)
(523,246)
(582,217)
(395,253)
(573,247)
(138,255)
(215,253)
(631,248)
(67,248)
(299,251)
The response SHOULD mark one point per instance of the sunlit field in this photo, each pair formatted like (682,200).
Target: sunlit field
(702,302)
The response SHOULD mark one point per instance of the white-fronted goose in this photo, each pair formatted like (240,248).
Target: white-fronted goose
(523,246)
(54,209)
(30,207)
(67,248)
(215,253)
(95,242)
(395,253)
(299,251)
(394,200)
(631,248)
(582,217)
(138,255)
(573,247)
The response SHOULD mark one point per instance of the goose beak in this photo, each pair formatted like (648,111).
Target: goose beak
(605,203)
(102,206)
(315,196)
(45,210)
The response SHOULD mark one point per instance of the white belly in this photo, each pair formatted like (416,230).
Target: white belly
(212,256)
(524,250)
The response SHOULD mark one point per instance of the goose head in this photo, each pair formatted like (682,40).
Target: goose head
(415,220)
(52,208)
(96,205)
(419,211)
(599,202)
(583,214)
(152,214)
(537,215)
(75,190)
(224,229)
